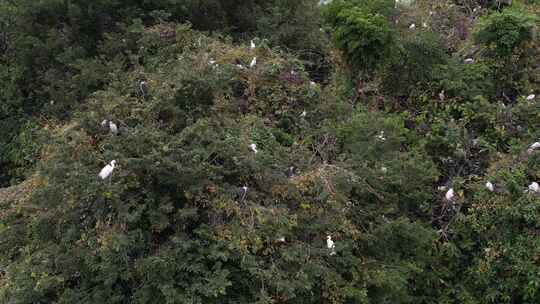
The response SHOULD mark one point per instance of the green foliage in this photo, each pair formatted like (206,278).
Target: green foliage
(505,31)
(360,145)
(363,34)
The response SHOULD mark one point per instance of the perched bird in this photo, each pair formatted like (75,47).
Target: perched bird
(113,127)
(530,97)
(441,95)
(244,193)
(107,170)
(303,114)
(253,148)
(469,60)
(533,147)
(412,26)
(330,244)
(490,186)
(442,188)
(281,239)
(211,61)
(424,24)
(253,62)
(381,136)
(252,45)
(384,169)
(312,83)
(241,67)
(534,187)
(104,123)
(143,88)
(449,194)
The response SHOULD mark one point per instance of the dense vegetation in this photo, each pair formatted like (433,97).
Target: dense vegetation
(249,132)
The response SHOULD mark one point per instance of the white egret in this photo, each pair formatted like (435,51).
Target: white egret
(534,187)
(252,45)
(330,244)
(143,88)
(107,170)
(253,148)
(113,127)
(449,195)
(381,136)
(490,186)
(253,62)
(281,239)
(303,114)
(530,97)
(424,24)
(384,169)
(241,67)
(533,147)
(104,123)
(441,95)
(469,60)
(412,26)
(312,83)
(441,188)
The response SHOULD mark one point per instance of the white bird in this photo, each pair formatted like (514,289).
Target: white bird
(281,239)
(113,127)
(384,169)
(241,67)
(253,148)
(424,24)
(104,123)
(449,194)
(330,244)
(431,13)
(533,147)
(107,170)
(530,97)
(252,44)
(143,88)
(534,187)
(441,188)
(412,26)
(381,136)
(469,60)
(312,83)
(303,114)
(211,61)
(253,62)
(490,186)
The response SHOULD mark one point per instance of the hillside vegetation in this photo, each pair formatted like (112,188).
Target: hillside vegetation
(345,151)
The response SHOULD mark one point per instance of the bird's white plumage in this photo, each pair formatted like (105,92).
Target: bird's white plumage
(104,123)
(534,187)
(530,97)
(252,44)
(107,170)
(303,114)
(412,26)
(381,136)
(253,62)
(469,60)
(253,148)
(113,127)
(441,188)
(490,186)
(281,239)
(330,245)
(449,194)
(533,147)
